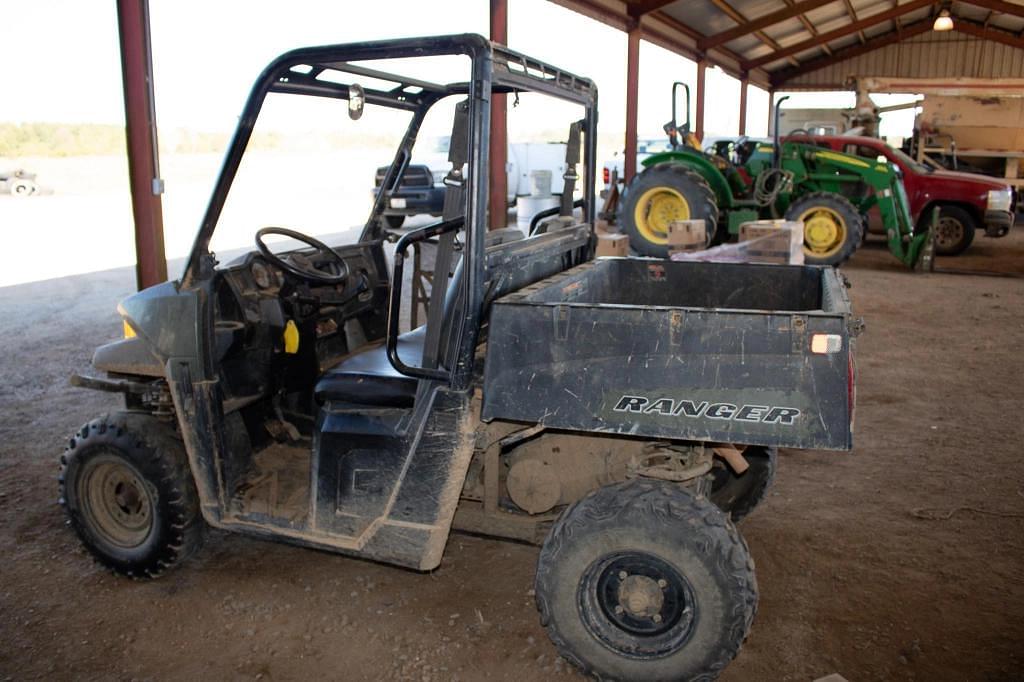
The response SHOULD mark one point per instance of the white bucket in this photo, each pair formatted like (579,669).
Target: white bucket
(527,207)
(540,183)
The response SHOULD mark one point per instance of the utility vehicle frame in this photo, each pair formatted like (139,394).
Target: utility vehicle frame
(601,408)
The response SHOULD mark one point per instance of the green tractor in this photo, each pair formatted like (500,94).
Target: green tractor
(744,180)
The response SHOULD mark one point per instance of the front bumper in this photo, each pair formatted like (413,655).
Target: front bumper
(998,223)
(416,201)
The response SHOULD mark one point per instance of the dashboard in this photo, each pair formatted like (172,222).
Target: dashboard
(276,330)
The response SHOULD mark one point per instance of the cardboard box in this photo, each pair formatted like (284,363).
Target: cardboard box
(774,241)
(687,235)
(612,244)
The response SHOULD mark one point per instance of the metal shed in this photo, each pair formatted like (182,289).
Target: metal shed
(774,44)
(815,44)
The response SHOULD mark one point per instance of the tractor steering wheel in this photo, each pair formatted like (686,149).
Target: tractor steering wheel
(298,264)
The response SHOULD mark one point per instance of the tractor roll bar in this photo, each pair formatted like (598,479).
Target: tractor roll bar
(395,303)
(776,149)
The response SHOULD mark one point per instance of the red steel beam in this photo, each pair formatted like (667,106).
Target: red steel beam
(698,129)
(632,95)
(761,22)
(140,132)
(988,33)
(641,7)
(743,105)
(998,6)
(498,192)
(852,27)
(780,77)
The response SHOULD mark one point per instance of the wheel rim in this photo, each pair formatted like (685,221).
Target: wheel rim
(116,502)
(824,231)
(637,604)
(656,208)
(948,233)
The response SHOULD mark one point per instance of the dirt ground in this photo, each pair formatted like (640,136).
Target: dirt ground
(851,580)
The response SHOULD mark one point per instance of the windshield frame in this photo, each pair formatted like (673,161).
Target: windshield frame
(296,73)
(493,68)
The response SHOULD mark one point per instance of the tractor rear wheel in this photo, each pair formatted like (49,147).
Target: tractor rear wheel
(832,227)
(660,195)
(644,581)
(129,495)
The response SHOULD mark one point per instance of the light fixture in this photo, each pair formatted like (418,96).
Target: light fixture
(943,22)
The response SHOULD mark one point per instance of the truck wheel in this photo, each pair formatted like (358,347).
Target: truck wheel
(394,221)
(737,495)
(832,227)
(955,231)
(660,195)
(642,580)
(23,188)
(127,490)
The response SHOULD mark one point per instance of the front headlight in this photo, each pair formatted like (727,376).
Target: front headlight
(1000,199)
(438,177)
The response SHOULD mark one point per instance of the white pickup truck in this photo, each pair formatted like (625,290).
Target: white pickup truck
(422,188)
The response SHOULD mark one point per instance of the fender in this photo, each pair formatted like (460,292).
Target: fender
(719,185)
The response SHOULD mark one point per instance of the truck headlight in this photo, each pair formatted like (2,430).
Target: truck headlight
(1000,199)
(438,177)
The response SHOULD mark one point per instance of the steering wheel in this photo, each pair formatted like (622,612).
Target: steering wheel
(298,264)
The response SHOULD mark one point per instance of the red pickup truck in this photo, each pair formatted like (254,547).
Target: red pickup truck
(967,202)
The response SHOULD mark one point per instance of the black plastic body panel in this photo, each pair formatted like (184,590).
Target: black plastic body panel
(717,352)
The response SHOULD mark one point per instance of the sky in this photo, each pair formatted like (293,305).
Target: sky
(207,54)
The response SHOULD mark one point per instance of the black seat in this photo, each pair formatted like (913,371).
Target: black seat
(368,378)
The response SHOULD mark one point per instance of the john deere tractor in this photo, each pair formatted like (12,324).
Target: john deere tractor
(736,182)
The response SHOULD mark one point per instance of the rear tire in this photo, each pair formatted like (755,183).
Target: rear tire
(832,227)
(128,493)
(394,221)
(738,494)
(955,231)
(657,196)
(642,580)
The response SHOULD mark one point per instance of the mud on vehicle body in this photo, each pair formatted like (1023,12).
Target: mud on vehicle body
(549,397)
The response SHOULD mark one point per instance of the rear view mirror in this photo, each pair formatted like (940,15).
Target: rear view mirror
(356,100)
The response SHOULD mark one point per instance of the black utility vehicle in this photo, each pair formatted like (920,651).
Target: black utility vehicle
(592,407)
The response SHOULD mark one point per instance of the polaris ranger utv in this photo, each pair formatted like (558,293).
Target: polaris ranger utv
(599,408)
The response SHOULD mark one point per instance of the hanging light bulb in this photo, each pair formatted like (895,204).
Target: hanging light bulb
(943,22)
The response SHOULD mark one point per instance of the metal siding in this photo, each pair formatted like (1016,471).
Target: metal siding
(931,55)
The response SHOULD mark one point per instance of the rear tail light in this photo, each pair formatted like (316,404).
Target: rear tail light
(607,175)
(825,344)
(851,384)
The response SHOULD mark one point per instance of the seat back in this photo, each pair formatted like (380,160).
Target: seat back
(513,262)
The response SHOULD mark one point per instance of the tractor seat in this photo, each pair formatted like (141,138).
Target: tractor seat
(368,378)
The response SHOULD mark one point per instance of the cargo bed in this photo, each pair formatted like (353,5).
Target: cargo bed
(717,352)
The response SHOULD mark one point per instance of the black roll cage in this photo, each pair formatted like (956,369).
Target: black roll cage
(494,69)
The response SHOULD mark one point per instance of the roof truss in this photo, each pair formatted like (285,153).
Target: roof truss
(657,20)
